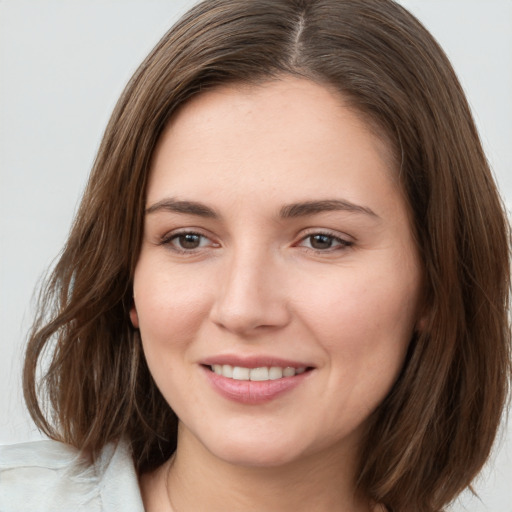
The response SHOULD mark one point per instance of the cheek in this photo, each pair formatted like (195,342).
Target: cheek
(169,310)
(361,310)
(364,321)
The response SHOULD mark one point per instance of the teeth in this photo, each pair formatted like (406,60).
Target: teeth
(256,374)
(241,373)
(275,373)
(227,370)
(259,374)
(288,372)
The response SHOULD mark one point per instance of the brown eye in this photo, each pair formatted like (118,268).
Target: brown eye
(324,242)
(189,241)
(185,242)
(320,242)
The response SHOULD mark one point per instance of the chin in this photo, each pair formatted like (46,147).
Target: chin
(256,456)
(259,449)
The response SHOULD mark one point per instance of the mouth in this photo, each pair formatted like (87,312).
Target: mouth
(259,374)
(256,380)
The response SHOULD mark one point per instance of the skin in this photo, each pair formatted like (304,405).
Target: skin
(258,282)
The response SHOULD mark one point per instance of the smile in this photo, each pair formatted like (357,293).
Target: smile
(256,374)
(256,380)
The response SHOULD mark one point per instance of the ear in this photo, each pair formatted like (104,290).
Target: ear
(134,317)
(420,326)
(423,319)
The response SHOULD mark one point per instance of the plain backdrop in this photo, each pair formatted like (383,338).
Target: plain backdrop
(63,64)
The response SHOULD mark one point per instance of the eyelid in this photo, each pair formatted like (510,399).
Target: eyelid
(345,241)
(326,231)
(167,239)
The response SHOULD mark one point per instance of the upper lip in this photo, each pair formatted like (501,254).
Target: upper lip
(254,361)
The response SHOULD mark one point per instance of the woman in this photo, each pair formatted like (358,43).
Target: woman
(287,283)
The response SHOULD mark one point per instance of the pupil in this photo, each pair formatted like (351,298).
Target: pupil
(321,241)
(189,241)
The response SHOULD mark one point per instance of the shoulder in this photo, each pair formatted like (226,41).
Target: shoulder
(47,475)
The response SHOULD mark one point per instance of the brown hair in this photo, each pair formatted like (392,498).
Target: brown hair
(435,429)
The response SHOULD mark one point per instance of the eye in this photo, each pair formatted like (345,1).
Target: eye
(324,242)
(187,241)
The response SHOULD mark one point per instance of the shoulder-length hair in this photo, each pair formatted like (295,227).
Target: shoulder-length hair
(435,429)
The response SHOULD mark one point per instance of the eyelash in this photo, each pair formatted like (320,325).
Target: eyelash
(168,240)
(342,244)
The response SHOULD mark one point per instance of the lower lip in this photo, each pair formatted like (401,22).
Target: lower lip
(253,392)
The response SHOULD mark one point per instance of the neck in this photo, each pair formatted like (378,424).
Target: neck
(197,480)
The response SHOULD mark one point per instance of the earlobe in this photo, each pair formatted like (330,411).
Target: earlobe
(134,317)
(422,322)
(423,313)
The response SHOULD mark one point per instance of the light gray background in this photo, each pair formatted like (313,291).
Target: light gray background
(62,66)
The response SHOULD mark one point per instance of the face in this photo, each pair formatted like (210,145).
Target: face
(278,283)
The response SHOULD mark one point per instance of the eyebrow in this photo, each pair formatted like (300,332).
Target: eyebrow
(327,205)
(289,211)
(186,207)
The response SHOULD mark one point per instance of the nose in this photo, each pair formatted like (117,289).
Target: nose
(251,296)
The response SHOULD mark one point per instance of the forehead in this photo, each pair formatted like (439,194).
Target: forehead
(302,100)
(271,127)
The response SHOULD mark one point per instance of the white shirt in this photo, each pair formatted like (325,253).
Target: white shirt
(46,476)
